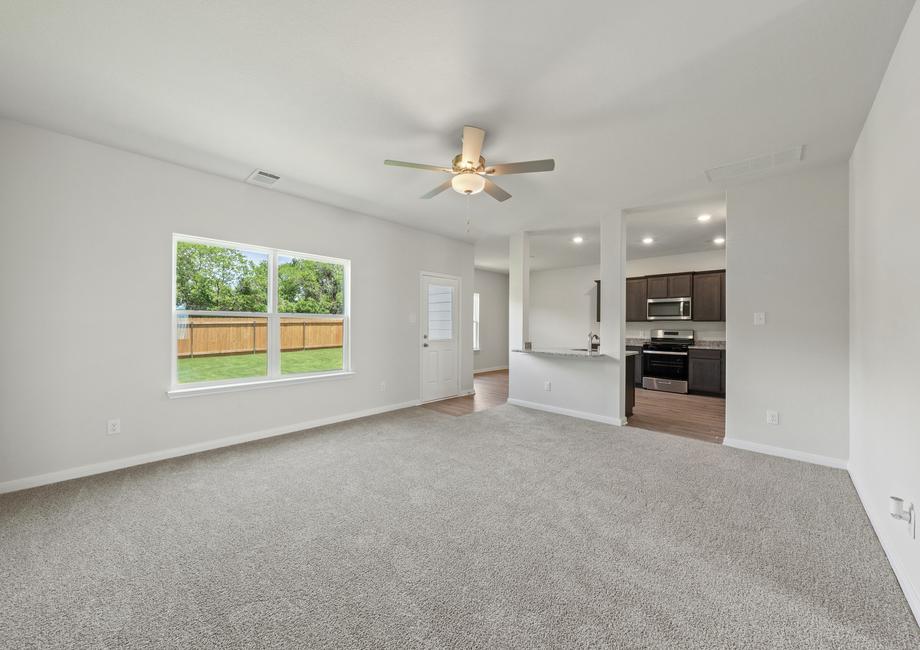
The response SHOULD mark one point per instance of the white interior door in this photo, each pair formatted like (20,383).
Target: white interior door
(440,337)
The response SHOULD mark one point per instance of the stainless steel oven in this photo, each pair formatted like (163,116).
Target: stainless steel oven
(666,361)
(669,309)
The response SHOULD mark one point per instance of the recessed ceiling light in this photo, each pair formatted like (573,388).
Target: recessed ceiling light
(578,239)
(704,217)
(718,240)
(648,240)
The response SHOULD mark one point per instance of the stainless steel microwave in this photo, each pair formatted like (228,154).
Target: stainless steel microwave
(669,309)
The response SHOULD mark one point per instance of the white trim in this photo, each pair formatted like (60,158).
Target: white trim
(462,393)
(272,316)
(224,387)
(581,415)
(782,452)
(911,592)
(142,459)
(476,372)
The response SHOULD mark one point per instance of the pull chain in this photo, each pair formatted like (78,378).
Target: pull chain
(468,214)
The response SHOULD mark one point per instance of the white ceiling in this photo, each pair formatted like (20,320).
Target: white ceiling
(675,228)
(633,99)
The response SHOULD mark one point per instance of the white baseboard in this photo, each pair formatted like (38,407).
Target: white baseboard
(476,372)
(782,452)
(911,592)
(582,415)
(142,459)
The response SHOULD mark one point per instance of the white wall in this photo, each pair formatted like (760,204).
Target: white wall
(493,320)
(562,306)
(585,388)
(702,261)
(884,306)
(787,256)
(85,278)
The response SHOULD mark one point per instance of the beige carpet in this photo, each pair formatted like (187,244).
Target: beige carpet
(506,528)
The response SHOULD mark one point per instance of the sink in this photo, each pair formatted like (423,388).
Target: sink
(578,349)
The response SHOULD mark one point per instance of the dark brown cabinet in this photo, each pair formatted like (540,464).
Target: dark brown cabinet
(680,286)
(637,375)
(707,288)
(658,287)
(670,286)
(707,371)
(636,299)
(708,296)
(630,388)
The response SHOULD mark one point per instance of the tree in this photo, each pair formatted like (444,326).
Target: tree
(311,287)
(214,278)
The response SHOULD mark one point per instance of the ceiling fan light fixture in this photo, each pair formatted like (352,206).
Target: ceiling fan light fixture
(468,183)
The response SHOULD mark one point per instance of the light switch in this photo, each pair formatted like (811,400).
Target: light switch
(760,318)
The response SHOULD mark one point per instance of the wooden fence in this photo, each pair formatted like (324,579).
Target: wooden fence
(206,336)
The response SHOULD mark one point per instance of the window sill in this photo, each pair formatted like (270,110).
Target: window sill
(193,391)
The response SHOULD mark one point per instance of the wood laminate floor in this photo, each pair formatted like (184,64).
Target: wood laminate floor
(693,416)
(491,390)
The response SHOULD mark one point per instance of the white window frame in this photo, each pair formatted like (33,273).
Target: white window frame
(476,319)
(273,376)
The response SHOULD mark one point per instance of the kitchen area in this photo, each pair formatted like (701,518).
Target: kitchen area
(673,329)
(675,318)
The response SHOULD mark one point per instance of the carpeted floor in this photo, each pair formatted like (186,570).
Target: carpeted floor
(505,528)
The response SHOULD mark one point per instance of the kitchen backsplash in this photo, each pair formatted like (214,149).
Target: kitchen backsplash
(703,331)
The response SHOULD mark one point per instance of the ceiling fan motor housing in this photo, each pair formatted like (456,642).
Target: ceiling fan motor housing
(461,165)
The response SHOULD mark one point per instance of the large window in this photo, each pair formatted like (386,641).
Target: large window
(475,321)
(248,313)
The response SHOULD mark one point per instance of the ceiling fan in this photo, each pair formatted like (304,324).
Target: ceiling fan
(470,172)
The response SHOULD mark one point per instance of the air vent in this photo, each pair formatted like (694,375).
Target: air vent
(263,178)
(756,165)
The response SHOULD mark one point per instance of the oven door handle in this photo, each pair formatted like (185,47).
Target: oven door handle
(673,354)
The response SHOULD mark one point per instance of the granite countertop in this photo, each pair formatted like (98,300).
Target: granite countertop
(564,352)
(575,354)
(708,345)
(699,344)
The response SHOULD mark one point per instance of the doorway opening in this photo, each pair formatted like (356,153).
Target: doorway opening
(675,320)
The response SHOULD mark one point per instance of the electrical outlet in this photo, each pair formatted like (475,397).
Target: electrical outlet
(547,385)
(383,387)
(113,427)
(760,318)
(772,417)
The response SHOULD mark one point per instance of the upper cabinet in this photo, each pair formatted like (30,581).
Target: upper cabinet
(680,286)
(670,286)
(707,288)
(636,299)
(708,296)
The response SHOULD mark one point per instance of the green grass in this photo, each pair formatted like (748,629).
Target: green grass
(239,366)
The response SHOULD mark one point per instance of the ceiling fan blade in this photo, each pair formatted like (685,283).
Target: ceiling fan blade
(547,165)
(440,188)
(431,168)
(495,191)
(472,145)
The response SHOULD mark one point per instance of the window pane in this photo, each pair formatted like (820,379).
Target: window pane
(211,348)
(215,278)
(306,286)
(475,321)
(440,312)
(311,344)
